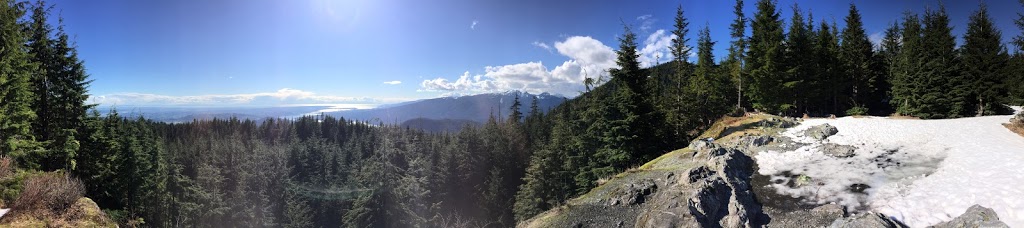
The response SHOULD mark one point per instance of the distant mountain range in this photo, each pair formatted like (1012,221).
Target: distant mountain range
(437,114)
(475,108)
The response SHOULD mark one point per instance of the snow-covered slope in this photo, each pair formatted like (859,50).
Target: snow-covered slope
(920,172)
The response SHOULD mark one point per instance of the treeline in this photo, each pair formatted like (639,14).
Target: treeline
(917,70)
(323,171)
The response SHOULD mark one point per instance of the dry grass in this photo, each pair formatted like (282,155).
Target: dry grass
(1016,124)
(48,194)
(897,116)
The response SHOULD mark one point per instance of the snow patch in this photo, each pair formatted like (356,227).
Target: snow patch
(920,172)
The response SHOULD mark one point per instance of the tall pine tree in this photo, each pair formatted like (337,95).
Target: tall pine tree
(737,51)
(765,57)
(678,103)
(907,80)
(945,92)
(16,71)
(858,76)
(827,71)
(1016,79)
(798,69)
(60,88)
(984,61)
(707,86)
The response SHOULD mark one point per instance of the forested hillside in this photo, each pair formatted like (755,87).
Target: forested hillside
(321,171)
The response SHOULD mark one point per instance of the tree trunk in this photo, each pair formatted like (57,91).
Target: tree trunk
(981,107)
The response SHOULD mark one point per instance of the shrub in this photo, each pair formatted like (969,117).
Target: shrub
(6,167)
(857,111)
(48,193)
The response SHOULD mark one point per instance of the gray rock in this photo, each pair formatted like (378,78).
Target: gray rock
(821,132)
(777,122)
(635,193)
(717,194)
(701,144)
(699,173)
(821,216)
(976,216)
(867,220)
(836,150)
(756,140)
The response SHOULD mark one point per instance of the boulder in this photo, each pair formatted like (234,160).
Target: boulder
(755,140)
(635,193)
(821,132)
(716,194)
(701,144)
(976,216)
(836,150)
(867,220)
(777,122)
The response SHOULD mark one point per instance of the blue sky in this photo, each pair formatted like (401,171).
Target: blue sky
(261,52)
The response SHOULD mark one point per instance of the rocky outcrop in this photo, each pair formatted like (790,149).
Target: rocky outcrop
(635,193)
(756,140)
(836,150)
(715,194)
(976,216)
(821,132)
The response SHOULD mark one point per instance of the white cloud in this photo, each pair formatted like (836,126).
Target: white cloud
(656,48)
(646,22)
(473,25)
(587,58)
(396,82)
(542,45)
(284,96)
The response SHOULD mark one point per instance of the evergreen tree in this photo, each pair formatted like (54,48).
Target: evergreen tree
(629,71)
(889,50)
(677,101)
(765,57)
(907,81)
(945,92)
(984,61)
(707,85)
(60,89)
(856,55)
(43,53)
(1016,78)
(1019,40)
(737,50)
(829,70)
(514,115)
(680,51)
(799,71)
(16,71)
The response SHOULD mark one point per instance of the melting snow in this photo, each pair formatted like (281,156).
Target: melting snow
(920,172)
